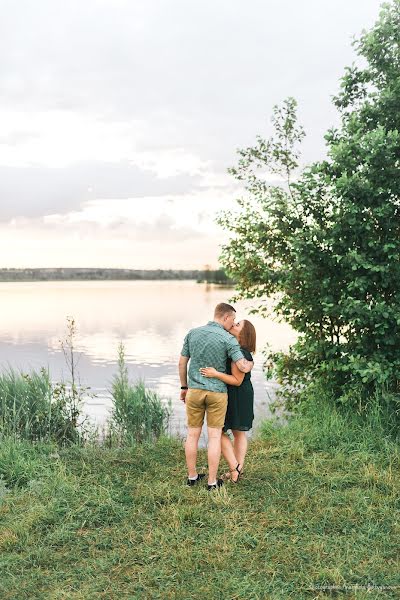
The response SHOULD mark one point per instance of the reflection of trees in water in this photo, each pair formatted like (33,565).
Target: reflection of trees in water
(209,276)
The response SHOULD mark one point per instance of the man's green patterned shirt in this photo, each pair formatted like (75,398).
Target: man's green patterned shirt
(209,346)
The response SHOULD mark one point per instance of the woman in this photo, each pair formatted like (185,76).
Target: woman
(239,414)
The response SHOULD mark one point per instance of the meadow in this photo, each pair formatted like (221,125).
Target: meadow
(315,516)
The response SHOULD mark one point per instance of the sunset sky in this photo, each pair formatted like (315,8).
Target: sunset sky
(119,118)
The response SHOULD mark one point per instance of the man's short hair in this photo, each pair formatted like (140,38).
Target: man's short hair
(222,309)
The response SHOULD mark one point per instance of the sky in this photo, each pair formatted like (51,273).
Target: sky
(119,118)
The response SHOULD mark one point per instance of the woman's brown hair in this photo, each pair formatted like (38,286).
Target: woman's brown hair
(247,336)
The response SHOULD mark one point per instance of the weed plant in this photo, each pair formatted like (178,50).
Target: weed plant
(31,408)
(139,414)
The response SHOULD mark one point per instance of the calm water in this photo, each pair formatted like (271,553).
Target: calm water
(150,318)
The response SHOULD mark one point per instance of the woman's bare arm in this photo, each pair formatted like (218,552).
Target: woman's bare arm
(235,379)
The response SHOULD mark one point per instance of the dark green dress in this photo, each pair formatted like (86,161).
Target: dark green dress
(239,414)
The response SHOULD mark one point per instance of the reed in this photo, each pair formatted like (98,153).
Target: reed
(32,409)
(139,414)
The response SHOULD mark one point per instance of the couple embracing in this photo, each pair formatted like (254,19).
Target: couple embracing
(218,386)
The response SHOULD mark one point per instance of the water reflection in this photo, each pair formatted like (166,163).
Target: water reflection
(150,318)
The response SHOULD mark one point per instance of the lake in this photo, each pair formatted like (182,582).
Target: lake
(151,318)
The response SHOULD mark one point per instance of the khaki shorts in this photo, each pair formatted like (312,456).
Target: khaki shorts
(199,402)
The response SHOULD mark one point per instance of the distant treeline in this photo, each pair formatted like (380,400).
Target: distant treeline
(66,274)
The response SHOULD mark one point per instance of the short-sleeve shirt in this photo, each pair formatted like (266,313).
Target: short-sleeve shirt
(209,346)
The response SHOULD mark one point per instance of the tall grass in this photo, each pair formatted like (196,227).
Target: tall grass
(32,409)
(323,425)
(138,415)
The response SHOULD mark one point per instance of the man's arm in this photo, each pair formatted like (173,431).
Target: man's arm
(244,365)
(183,363)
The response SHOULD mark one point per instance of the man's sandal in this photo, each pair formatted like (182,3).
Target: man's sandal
(192,482)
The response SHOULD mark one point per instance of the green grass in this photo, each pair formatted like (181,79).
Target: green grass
(316,506)
(32,408)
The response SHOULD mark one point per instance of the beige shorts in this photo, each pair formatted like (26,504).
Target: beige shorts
(200,402)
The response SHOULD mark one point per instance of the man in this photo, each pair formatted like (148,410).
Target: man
(208,346)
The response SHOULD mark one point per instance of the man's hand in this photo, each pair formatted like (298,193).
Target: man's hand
(245,366)
(183,395)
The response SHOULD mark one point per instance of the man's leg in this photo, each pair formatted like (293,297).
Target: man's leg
(214,452)
(195,409)
(191,444)
(216,403)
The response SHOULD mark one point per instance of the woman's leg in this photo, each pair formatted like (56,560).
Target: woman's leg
(240,446)
(228,452)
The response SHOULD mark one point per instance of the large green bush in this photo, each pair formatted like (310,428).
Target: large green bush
(326,241)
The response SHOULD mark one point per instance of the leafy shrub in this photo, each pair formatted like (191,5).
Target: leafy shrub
(325,242)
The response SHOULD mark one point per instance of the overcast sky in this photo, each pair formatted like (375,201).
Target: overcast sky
(119,118)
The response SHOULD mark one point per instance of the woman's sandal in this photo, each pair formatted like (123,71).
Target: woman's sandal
(239,472)
(228,475)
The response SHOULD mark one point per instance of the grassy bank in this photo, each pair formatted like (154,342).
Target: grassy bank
(316,507)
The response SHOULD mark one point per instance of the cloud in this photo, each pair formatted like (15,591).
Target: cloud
(161,228)
(176,231)
(126,244)
(201,76)
(17,137)
(39,191)
(108,107)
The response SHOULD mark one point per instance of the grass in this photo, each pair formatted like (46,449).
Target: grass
(316,507)
(34,409)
